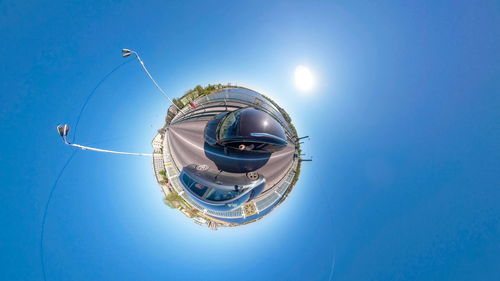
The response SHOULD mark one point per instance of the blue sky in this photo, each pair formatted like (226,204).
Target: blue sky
(403,123)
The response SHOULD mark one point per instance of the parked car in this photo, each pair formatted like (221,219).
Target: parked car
(218,190)
(246,129)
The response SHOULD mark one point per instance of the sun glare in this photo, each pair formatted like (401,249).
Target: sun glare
(303,78)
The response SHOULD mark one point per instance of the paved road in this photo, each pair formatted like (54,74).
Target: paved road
(187,146)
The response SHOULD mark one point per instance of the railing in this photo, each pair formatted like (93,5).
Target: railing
(247,97)
(267,201)
(244,96)
(261,204)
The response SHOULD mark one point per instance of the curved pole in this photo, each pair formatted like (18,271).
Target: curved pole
(109,151)
(82,147)
(152,79)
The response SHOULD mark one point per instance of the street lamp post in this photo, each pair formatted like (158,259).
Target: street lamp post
(127,52)
(63,131)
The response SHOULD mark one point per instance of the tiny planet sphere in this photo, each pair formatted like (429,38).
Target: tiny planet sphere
(226,155)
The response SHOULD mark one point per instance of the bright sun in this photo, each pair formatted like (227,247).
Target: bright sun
(303,78)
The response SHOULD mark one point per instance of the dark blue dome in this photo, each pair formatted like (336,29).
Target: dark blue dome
(249,127)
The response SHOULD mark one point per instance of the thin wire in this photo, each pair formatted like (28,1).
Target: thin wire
(42,233)
(334,252)
(91,94)
(49,199)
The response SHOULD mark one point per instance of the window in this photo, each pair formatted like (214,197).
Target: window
(229,125)
(198,188)
(222,195)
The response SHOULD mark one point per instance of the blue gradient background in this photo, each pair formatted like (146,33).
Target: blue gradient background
(403,123)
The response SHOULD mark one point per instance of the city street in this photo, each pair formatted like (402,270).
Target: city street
(187,146)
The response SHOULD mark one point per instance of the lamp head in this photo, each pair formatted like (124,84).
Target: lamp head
(63,130)
(126,53)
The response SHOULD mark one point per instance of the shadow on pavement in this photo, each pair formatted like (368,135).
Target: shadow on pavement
(236,161)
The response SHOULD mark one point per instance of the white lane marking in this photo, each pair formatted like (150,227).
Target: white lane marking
(226,156)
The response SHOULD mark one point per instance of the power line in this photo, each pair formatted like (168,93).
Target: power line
(92,93)
(44,219)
